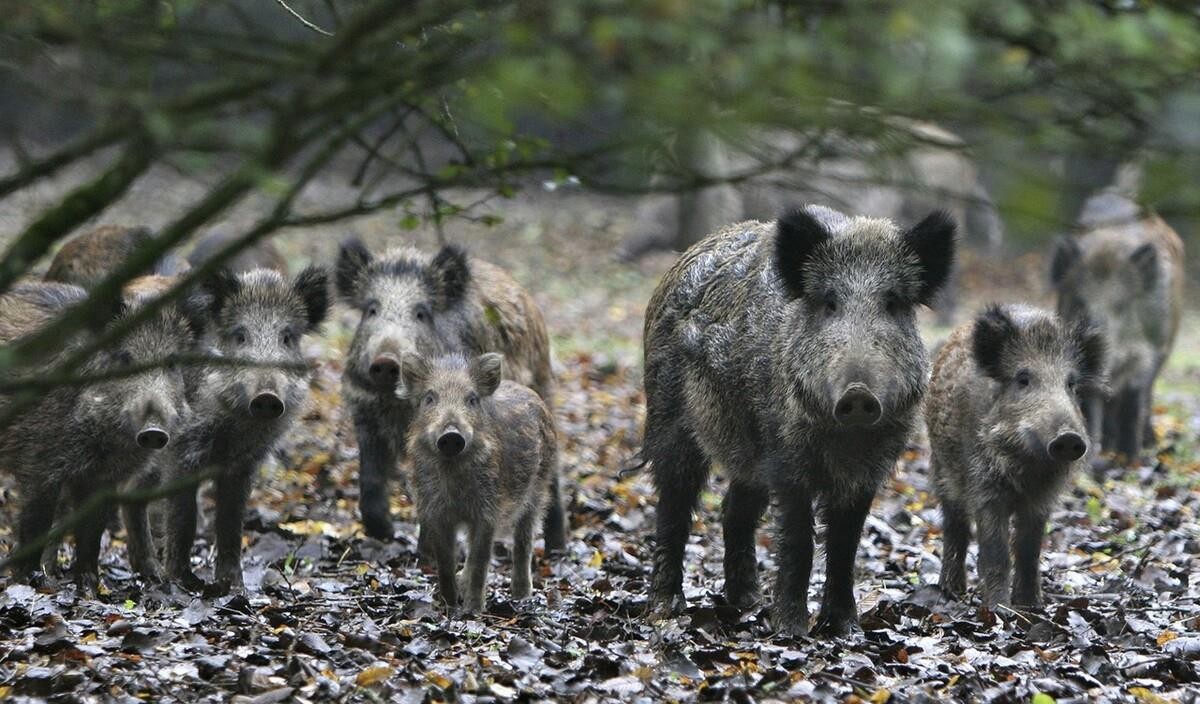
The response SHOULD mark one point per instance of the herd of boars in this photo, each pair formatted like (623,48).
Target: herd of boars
(786,352)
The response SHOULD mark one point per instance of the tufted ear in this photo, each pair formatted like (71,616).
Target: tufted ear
(993,331)
(194,307)
(414,375)
(933,241)
(1145,258)
(486,371)
(221,286)
(1066,255)
(798,235)
(449,274)
(1092,351)
(312,285)
(353,260)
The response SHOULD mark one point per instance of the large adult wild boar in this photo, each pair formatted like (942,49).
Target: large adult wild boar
(788,353)
(1125,273)
(90,257)
(413,303)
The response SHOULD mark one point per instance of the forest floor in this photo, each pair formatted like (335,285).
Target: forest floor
(332,615)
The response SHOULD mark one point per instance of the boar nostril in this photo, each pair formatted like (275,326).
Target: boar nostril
(1067,447)
(857,406)
(451,443)
(266,405)
(385,371)
(153,438)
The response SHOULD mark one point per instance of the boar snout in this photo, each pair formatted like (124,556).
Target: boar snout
(1067,447)
(385,371)
(266,405)
(857,406)
(153,438)
(451,442)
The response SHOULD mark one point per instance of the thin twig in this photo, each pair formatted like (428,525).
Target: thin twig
(303,20)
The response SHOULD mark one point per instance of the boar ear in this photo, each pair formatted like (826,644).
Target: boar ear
(450,273)
(993,330)
(353,259)
(1066,254)
(486,372)
(1145,258)
(222,285)
(797,237)
(312,285)
(932,240)
(194,306)
(414,373)
(1093,351)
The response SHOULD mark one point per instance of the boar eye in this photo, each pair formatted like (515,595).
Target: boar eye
(123,359)
(239,336)
(1072,382)
(1024,378)
(289,339)
(372,309)
(472,400)
(892,302)
(429,398)
(422,314)
(829,304)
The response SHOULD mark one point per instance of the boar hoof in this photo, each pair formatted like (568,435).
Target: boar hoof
(661,607)
(743,598)
(190,582)
(88,585)
(378,527)
(831,623)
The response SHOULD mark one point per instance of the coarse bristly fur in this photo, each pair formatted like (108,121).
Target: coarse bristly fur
(87,259)
(752,339)
(240,412)
(1127,275)
(497,484)
(77,441)
(414,303)
(1004,387)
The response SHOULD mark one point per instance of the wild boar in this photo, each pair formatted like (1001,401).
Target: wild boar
(1006,430)
(484,455)
(239,411)
(788,353)
(1125,273)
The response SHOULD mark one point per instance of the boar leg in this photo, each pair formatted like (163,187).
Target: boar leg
(479,557)
(441,542)
(843,529)
(181,534)
(1092,405)
(1027,551)
(993,530)
(35,521)
(233,490)
(522,557)
(376,461)
(956,534)
(88,535)
(743,507)
(554,525)
(1131,423)
(680,470)
(138,534)
(795,556)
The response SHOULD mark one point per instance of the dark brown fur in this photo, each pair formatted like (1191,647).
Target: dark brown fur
(87,259)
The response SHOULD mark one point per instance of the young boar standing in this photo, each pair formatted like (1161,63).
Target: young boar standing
(412,303)
(77,441)
(484,454)
(1125,272)
(240,412)
(788,353)
(87,259)
(1006,431)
